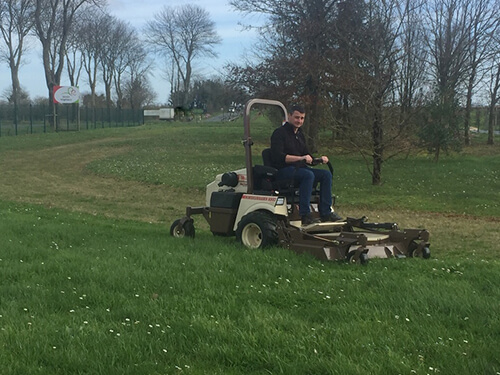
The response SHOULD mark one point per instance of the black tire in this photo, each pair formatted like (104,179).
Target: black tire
(257,230)
(186,230)
(362,259)
(424,254)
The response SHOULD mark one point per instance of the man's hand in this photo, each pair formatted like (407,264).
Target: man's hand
(325,159)
(308,159)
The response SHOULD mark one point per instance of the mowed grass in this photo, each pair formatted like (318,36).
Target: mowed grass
(92,283)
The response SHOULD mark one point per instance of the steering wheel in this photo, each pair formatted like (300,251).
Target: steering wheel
(317,161)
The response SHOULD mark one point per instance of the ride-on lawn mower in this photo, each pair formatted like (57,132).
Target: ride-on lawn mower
(261,211)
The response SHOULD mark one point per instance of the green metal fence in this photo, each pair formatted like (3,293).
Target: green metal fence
(31,119)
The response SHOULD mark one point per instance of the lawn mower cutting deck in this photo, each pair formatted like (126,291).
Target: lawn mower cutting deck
(261,211)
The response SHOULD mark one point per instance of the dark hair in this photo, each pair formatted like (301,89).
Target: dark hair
(296,107)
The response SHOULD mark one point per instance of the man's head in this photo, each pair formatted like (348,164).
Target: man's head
(296,116)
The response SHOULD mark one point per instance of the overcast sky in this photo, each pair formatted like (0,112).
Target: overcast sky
(235,44)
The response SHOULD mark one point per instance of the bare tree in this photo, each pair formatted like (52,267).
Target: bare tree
(182,35)
(15,24)
(74,61)
(343,57)
(494,87)
(118,39)
(297,49)
(133,61)
(448,41)
(89,40)
(53,22)
(483,21)
(375,70)
(411,80)
(138,90)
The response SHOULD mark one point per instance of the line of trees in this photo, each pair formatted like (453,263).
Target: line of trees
(379,71)
(383,73)
(77,38)
(82,39)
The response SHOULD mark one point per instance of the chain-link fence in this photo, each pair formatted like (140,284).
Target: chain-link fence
(30,119)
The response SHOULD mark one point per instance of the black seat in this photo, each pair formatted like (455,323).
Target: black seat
(265,179)
(279,184)
(288,188)
(264,175)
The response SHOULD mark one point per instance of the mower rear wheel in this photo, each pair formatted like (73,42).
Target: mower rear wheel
(186,230)
(257,230)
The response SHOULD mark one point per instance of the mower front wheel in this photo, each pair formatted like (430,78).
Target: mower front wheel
(424,253)
(356,257)
(184,230)
(419,251)
(257,230)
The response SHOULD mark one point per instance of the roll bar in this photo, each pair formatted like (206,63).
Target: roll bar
(247,141)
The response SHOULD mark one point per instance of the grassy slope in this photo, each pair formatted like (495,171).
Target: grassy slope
(103,289)
(85,294)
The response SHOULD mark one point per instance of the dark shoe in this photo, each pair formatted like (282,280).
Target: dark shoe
(308,219)
(332,216)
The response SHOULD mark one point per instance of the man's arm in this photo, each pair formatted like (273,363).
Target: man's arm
(279,154)
(290,159)
(277,148)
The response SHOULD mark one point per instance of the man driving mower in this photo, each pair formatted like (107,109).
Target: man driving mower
(291,157)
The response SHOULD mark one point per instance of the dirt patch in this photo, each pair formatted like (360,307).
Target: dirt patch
(58,177)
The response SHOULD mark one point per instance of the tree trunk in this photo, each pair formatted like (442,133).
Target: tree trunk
(378,143)
(492,109)
(50,81)
(437,153)
(468,108)
(378,152)
(312,127)
(52,107)
(107,89)
(16,90)
(491,121)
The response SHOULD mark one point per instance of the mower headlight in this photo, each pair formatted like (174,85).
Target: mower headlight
(280,201)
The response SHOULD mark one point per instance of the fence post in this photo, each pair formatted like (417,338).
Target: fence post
(54,117)
(78,117)
(31,118)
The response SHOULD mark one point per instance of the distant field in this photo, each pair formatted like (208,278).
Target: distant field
(91,283)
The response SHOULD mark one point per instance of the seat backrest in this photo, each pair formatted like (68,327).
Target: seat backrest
(264,174)
(266,157)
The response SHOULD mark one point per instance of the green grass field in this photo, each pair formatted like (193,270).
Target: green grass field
(91,282)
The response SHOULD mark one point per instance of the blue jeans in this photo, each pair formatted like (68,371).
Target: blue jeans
(305,179)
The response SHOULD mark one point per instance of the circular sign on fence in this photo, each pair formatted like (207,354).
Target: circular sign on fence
(66,94)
